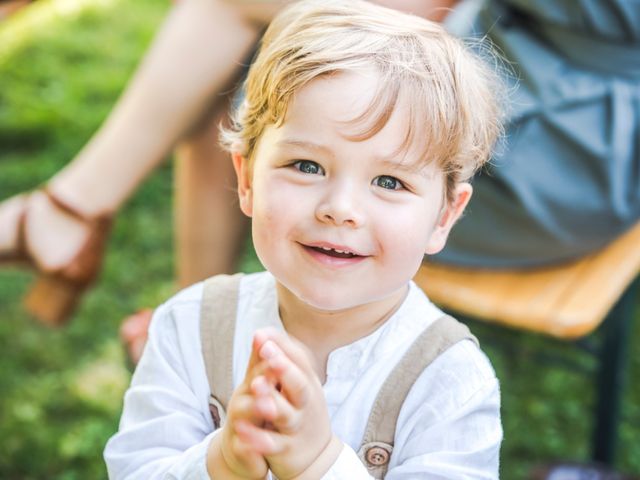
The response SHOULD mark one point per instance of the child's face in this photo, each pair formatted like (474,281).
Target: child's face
(342,223)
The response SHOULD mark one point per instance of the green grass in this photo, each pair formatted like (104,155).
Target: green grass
(62,65)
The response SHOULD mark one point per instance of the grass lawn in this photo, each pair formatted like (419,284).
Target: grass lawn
(62,65)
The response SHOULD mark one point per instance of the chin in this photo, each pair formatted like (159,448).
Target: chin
(327,303)
(324,299)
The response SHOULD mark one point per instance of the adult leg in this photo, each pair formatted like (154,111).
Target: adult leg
(169,92)
(209,226)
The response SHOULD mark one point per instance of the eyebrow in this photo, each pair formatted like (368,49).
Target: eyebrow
(305,144)
(383,160)
(413,167)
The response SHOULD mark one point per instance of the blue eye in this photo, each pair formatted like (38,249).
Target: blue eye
(387,182)
(307,166)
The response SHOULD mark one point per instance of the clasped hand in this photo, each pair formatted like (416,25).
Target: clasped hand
(277,419)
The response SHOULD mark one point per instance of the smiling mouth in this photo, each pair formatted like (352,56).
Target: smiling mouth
(334,253)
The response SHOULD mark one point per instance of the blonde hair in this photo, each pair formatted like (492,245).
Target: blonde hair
(452,100)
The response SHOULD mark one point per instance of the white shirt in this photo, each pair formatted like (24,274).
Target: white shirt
(448,427)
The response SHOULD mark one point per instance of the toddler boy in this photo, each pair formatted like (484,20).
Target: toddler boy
(360,128)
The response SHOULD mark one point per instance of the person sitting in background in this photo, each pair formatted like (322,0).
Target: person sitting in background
(566,180)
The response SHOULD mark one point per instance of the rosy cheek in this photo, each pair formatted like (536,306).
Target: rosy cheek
(267,215)
(404,239)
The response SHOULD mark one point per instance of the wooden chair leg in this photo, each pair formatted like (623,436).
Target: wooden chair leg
(613,360)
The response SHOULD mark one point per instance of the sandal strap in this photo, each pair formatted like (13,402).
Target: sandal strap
(83,268)
(73,211)
(22,252)
(92,251)
(75,271)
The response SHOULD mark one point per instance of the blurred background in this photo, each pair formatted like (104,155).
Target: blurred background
(63,64)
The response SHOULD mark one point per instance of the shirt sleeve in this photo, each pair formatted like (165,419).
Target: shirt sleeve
(347,466)
(449,426)
(462,445)
(164,432)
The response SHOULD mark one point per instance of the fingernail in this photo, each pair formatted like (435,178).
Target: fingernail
(259,386)
(268,350)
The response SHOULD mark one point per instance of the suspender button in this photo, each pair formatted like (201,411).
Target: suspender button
(377,456)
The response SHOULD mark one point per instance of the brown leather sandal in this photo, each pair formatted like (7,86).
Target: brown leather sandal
(56,292)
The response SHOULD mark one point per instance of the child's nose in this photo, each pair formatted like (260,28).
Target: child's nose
(341,207)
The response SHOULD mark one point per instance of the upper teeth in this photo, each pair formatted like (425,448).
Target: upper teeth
(334,250)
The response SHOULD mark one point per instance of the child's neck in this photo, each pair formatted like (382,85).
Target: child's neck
(324,331)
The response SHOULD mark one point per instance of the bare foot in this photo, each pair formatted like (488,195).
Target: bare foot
(134,332)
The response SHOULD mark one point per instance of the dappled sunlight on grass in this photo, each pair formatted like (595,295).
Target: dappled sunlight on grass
(42,15)
(101,383)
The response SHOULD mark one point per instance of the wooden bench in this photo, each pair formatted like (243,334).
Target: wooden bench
(567,301)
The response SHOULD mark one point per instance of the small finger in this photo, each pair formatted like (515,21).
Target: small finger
(287,418)
(242,407)
(293,381)
(259,369)
(262,335)
(265,442)
(273,408)
(259,337)
(254,359)
(292,348)
(264,405)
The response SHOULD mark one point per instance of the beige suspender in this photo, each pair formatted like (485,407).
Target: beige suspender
(217,327)
(377,442)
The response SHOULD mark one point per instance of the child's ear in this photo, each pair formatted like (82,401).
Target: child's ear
(243,173)
(448,217)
